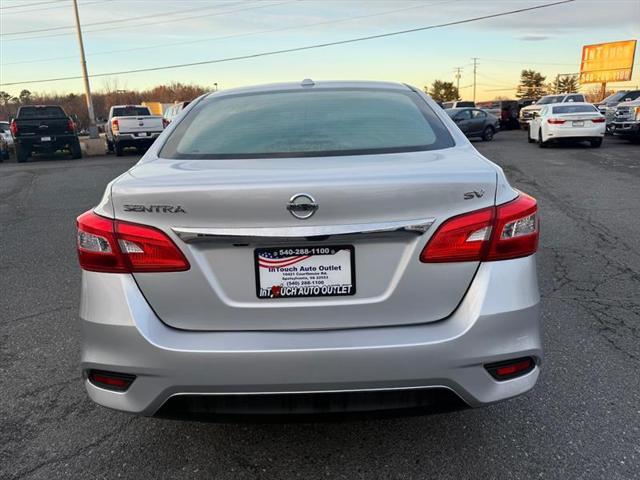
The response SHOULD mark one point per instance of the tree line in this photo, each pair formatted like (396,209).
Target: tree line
(532,85)
(75,104)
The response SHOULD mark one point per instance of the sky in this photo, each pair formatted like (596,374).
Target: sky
(133,34)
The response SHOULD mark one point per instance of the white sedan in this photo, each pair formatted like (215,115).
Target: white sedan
(567,121)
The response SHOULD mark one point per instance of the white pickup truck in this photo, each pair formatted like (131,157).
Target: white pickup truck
(131,126)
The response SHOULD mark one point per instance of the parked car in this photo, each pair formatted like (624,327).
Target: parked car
(526,113)
(5,133)
(626,121)
(43,129)
(475,122)
(505,110)
(608,106)
(458,104)
(173,111)
(309,248)
(6,140)
(131,126)
(567,122)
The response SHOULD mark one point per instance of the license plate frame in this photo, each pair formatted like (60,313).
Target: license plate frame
(309,283)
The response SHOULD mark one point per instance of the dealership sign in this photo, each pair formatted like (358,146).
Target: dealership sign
(607,62)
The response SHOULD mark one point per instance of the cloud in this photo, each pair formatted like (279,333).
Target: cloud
(533,37)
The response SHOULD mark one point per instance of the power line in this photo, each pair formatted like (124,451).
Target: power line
(307,47)
(54,8)
(524,62)
(31,4)
(255,7)
(120,20)
(235,35)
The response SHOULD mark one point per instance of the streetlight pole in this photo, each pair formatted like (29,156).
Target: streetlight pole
(93,130)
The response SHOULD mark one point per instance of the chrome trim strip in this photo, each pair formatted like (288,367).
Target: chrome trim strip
(189,234)
(315,392)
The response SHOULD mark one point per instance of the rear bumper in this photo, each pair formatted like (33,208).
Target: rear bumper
(131,140)
(497,320)
(56,142)
(577,133)
(625,128)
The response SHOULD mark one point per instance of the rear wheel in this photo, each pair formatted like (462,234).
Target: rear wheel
(119,150)
(22,153)
(541,143)
(596,143)
(487,134)
(76,151)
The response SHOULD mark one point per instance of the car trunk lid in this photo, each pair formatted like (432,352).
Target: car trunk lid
(219,212)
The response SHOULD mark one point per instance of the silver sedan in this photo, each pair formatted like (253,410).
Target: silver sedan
(309,248)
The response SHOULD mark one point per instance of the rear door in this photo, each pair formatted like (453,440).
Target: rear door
(374,212)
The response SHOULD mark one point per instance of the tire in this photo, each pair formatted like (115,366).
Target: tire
(76,151)
(529,139)
(487,134)
(541,144)
(597,143)
(22,154)
(119,150)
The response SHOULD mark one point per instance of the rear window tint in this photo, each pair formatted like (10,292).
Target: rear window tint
(575,109)
(41,112)
(308,123)
(131,112)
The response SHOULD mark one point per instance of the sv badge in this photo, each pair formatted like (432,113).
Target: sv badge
(473,194)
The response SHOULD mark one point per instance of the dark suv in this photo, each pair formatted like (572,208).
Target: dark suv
(44,128)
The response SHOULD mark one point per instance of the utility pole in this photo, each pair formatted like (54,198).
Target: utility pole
(475,66)
(457,76)
(93,130)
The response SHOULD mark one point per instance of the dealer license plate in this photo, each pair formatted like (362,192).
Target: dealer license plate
(290,272)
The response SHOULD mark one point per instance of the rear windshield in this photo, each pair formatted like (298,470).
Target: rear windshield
(304,123)
(550,99)
(575,109)
(130,111)
(41,112)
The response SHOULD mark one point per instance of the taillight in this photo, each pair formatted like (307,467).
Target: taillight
(598,120)
(71,126)
(114,125)
(114,246)
(495,233)
(460,239)
(556,121)
(14,128)
(516,229)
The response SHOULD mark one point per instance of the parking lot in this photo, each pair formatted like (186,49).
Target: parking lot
(581,421)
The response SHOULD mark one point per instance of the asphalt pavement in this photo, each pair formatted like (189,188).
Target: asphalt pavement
(582,421)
